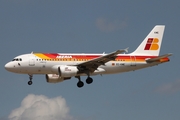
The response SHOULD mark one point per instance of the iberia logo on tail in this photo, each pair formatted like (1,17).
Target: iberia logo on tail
(152,44)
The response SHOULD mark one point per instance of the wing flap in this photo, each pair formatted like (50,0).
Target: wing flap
(93,64)
(159,58)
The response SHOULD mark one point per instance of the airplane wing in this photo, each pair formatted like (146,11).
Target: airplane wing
(158,58)
(93,64)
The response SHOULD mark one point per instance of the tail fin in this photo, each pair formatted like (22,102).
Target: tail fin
(151,45)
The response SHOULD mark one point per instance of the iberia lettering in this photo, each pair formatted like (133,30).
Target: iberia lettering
(64,56)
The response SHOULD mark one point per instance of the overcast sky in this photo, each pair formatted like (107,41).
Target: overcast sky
(89,26)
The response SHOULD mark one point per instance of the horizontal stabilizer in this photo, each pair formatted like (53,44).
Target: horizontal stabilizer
(158,58)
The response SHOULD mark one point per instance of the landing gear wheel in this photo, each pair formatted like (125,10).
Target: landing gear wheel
(80,84)
(89,80)
(30,82)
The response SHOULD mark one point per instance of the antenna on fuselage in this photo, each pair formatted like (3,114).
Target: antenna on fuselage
(32,52)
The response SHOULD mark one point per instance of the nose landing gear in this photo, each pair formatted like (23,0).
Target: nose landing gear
(30,80)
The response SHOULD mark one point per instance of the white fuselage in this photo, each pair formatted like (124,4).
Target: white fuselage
(32,64)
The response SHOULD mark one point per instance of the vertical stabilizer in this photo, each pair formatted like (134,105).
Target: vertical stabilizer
(151,45)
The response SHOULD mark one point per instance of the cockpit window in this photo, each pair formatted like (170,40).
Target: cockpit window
(17,59)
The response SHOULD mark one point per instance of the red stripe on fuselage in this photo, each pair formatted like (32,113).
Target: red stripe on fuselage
(51,55)
(89,57)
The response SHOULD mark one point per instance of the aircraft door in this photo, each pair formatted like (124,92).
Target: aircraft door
(133,60)
(32,61)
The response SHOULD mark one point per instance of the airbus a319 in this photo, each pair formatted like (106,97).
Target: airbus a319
(58,67)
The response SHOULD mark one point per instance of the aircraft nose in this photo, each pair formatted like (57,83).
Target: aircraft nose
(8,66)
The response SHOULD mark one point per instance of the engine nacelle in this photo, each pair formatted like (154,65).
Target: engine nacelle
(54,78)
(65,71)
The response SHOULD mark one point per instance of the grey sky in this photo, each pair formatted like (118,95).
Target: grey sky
(91,27)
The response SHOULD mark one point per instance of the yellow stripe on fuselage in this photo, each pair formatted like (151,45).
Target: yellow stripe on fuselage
(40,55)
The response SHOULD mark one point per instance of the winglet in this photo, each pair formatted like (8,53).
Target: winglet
(126,50)
(122,51)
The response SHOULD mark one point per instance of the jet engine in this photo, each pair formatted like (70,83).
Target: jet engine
(65,71)
(54,78)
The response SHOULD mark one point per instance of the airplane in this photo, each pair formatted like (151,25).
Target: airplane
(58,67)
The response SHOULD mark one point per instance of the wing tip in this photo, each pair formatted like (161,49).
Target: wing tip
(122,50)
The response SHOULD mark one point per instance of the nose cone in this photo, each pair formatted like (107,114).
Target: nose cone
(8,66)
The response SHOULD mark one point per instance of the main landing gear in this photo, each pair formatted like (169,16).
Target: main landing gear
(80,84)
(30,80)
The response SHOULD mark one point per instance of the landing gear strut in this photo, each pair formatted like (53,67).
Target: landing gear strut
(80,83)
(30,80)
(89,80)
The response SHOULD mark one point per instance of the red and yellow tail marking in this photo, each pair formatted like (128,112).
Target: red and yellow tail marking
(152,44)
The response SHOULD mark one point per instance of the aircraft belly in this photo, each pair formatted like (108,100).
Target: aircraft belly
(119,68)
(109,68)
